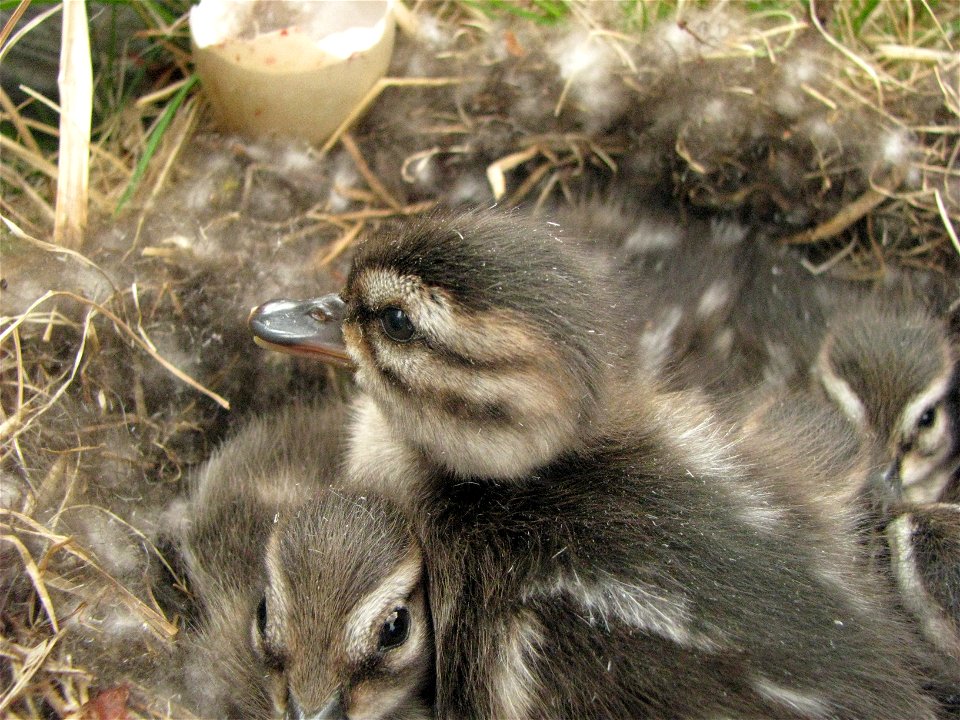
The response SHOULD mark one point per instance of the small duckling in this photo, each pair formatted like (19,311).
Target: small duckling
(264,514)
(893,373)
(594,547)
(369,653)
(272,465)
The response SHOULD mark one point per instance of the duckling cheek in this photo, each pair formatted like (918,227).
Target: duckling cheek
(375,698)
(922,479)
(359,353)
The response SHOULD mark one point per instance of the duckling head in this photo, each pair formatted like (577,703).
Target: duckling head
(895,376)
(343,622)
(486,339)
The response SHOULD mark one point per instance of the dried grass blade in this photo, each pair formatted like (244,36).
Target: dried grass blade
(36,578)
(13,425)
(76,113)
(157,622)
(170,367)
(11,22)
(34,661)
(154,141)
(945,216)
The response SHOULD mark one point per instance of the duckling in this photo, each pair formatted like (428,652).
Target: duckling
(272,465)
(812,442)
(264,514)
(370,653)
(893,373)
(924,544)
(594,548)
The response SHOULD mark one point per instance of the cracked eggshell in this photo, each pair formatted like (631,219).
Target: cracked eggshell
(291,69)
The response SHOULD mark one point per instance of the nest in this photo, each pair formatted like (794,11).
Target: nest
(125,282)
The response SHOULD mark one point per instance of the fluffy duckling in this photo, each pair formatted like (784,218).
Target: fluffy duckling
(344,617)
(269,467)
(893,374)
(343,608)
(593,549)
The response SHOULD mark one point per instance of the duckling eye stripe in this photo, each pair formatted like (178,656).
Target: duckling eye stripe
(392,590)
(916,408)
(936,626)
(843,395)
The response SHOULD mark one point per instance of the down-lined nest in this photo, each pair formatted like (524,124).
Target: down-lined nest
(126,358)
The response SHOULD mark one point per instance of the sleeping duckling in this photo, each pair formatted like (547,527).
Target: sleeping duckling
(594,547)
(271,486)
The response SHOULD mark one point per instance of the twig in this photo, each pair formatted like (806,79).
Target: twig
(34,661)
(372,180)
(22,129)
(841,221)
(374,213)
(944,215)
(35,576)
(12,425)
(339,245)
(374,92)
(5,46)
(127,330)
(496,170)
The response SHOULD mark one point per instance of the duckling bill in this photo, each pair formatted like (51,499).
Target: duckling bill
(309,328)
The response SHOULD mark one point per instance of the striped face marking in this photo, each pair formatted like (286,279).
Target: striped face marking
(343,623)
(482,390)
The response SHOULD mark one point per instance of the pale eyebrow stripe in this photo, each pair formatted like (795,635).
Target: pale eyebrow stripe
(394,588)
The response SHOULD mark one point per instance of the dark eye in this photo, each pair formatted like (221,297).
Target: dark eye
(927,419)
(395,629)
(396,324)
(260,643)
(262,617)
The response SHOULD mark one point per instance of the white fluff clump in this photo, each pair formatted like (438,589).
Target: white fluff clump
(591,71)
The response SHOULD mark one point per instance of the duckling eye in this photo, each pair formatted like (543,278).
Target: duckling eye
(927,419)
(395,629)
(260,641)
(396,325)
(262,617)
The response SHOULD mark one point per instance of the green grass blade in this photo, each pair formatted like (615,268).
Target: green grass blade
(154,140)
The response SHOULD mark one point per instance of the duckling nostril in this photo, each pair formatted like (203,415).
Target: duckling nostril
(308,327)
(329,308)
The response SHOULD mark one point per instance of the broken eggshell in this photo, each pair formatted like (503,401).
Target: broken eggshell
(291,69)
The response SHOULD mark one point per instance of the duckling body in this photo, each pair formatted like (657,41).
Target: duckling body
(626,591)
(594,547)
(253,521)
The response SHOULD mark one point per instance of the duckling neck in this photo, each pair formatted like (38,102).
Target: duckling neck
(393,447)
